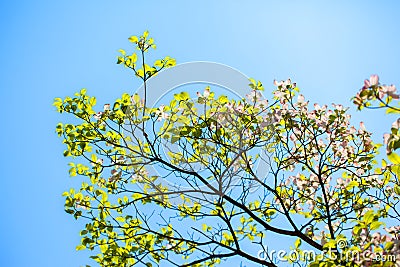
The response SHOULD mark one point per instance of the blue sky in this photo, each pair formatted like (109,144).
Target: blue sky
(53,48)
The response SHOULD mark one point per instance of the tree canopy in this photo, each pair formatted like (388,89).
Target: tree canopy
(208,177)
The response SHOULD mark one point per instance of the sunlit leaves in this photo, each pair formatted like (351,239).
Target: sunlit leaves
(321,184)
(142,70)
(256,85)
(394,158)
(133,39)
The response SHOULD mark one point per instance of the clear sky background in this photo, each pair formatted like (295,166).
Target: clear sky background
(52,49)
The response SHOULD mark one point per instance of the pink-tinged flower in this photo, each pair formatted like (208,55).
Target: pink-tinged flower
(293,137)
(314,181)
(311,204)
(106,107)
(340,182)
(97,116)
(263,103)
(381,93)
(240,107)
(277,115)
(278,94)
(283,84)
(386,138)
(229,105)
(288,181)
(392,230)
(311,115)
(321,143)
(364,234)
(115,175)
(327,180)
(323,238)
(390,90)
(300,99)
(362,127)
(319,108)
(298,208)
(291,167)
(140,175)
(279,84)
(300,183)
(338,107)
(322,122)
(206,92)
(367,84)
(396,124)
(253,96)
(79,206)
(120,160)
(374,79)
(265,123)
(358,100)
(161,114)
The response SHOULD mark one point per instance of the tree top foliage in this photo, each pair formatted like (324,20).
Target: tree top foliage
(207,177)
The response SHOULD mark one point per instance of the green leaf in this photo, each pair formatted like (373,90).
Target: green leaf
(375,225)
(133,39)
(158,63)
(351,185)
(84,232)
(397,189)
(120,219)
(133,57)
(80,247)
(388,246)
(120,60)
(357,229)
(174,139)
(394,158)
(297,243)
(140,73)
(223,99)
(182,96)
(369,217)
(392,111)
(252,82)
